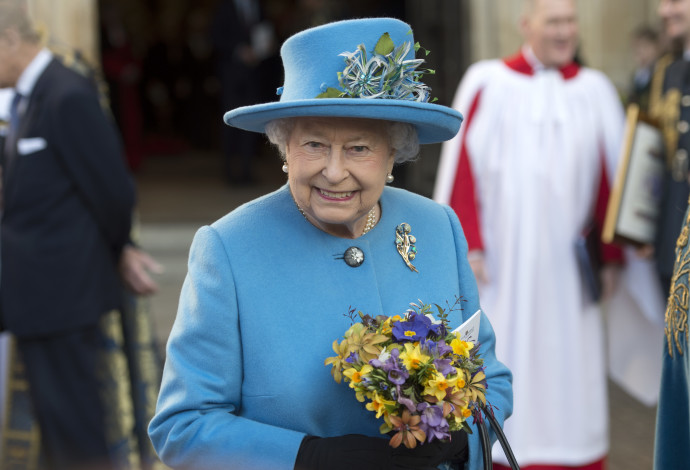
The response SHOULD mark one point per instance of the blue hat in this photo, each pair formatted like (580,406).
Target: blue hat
(364,68)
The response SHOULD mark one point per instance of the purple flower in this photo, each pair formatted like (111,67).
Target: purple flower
(443,349)
(416,328)
(352,358)
(403,400)
(429,346)
(433,423)
(439,329)
(436,349)
(398,375)
(444,366)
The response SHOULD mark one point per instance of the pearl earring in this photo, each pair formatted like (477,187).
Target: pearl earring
(285,168)
(390,178)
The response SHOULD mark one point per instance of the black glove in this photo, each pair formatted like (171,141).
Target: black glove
(355,451)
(431,454)
(352,451)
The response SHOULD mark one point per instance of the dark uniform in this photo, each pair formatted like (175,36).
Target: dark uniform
(670,105)
(672,446)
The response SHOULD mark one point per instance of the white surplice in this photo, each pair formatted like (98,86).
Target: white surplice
(536,141)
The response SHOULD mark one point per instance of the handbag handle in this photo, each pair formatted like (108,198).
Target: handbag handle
(486,441)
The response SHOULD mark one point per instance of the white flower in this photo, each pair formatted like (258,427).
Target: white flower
(384,355)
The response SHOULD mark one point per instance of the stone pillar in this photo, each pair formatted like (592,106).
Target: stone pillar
(72,23)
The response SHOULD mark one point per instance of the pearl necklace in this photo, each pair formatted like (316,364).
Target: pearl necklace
(371,218)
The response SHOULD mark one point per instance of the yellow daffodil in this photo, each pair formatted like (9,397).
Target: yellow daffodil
(439,384)
(338,361)
(461,376)
(387,326)
(361,394)
(460,414)
(356,376)
(378,404)
(413,357)
(460,347)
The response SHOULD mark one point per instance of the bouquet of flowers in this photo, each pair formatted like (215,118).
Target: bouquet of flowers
(423,380)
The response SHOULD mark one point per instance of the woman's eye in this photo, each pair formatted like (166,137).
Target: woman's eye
(359,148)
(315,145)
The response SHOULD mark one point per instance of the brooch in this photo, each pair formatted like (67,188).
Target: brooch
(404,242)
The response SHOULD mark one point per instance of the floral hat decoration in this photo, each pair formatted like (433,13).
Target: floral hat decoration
(363,68)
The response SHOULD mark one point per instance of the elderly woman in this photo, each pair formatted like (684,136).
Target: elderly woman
(245,385)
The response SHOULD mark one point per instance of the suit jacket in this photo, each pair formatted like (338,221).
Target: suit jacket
(68,201)
(265,297)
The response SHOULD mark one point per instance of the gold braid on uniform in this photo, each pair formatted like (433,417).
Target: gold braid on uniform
(664,108)
(676,318)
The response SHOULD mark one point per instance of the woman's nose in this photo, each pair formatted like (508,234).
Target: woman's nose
(335,170)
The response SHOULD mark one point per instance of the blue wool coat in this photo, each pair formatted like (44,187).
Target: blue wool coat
(265,297)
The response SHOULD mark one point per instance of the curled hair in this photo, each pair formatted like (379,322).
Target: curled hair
(14,15)
(402,137)
(278,133)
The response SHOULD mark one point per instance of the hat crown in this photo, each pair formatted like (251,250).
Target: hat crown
(377,83)
(312,58)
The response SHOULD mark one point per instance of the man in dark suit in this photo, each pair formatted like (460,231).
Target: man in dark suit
(64,240)
(236,26)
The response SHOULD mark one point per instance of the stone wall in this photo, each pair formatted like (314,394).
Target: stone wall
(70,22)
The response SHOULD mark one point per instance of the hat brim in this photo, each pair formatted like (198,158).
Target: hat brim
(434,123)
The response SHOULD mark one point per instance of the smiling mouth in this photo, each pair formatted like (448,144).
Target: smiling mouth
(335,195)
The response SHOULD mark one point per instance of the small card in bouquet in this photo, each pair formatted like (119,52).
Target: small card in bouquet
(469,331)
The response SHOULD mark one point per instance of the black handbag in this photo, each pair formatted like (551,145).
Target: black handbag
(486,441)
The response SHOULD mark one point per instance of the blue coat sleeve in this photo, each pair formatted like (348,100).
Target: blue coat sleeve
(196,425)
(499,392)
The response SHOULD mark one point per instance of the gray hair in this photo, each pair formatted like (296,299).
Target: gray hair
(14,15)
(402,137)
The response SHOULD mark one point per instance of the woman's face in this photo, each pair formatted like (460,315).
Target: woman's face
(675,15)
(337,169)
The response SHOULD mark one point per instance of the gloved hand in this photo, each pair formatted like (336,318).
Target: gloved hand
(355,451)
(352,451)
(431,454)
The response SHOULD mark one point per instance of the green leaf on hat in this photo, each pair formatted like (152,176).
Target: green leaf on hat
(385,45)
(331,93)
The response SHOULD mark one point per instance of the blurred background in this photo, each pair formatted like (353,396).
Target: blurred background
(169,68)
(161,58)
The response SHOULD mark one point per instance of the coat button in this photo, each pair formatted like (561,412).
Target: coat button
(683,127)
(685,100)
(354,257)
